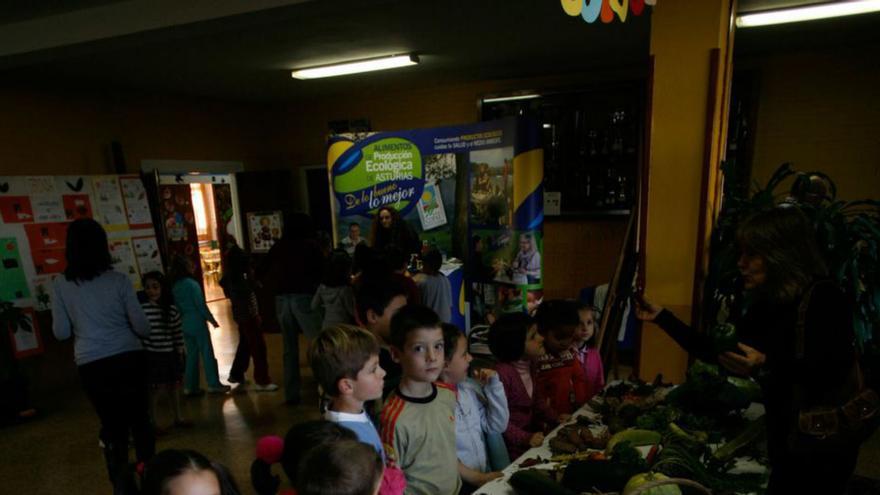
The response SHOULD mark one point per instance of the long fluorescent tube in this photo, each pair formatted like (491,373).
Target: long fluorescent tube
(355,67)
(808,13)
(510,98)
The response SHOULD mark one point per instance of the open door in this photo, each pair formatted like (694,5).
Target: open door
(178,221)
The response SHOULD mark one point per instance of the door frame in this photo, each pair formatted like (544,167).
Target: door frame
(201,172)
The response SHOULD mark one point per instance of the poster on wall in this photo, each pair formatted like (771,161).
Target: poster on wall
(146,251)
(48,208)
(76,206)
(26,338)
(178,220)
(109,205)
(47,246)
(12,273)
(123,259)
(264,230)
(137,207)
(16,209)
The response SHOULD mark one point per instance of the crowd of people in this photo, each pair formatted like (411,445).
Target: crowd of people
(404,409)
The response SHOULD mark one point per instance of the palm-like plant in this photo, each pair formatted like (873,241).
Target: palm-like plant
(848,233)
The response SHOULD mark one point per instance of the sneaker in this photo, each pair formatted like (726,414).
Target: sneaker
(222,389)
(269,387)
(237,379)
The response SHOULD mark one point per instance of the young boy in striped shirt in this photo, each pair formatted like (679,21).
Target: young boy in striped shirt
(418,419)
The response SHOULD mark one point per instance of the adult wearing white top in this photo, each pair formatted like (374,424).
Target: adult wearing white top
(98,307)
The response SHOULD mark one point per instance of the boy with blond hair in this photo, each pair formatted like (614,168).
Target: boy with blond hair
(345,362)
(418,419)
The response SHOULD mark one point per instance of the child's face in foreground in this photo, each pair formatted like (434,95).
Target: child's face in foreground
(457,368)
(534,343)
(422,357)
(192,482)
(369,381)
(584,332)
(153,290)
(559,339)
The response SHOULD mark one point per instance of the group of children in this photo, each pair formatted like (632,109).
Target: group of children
(434,430)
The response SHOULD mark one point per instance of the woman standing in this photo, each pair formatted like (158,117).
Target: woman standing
(789,293)
(194,313)
(389,228)
(99,308)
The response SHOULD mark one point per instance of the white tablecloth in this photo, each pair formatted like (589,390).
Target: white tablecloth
(500,486)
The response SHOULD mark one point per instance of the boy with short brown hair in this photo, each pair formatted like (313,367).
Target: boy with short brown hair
(418,419)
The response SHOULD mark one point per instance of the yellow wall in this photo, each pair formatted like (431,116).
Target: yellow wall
(821,111)
(682,36)
(69,132)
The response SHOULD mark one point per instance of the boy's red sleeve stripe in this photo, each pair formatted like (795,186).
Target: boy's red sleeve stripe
(390,413)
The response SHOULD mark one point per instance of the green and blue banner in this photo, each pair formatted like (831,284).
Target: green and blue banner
(428,175)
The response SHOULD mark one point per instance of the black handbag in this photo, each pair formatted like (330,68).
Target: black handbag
(850,415)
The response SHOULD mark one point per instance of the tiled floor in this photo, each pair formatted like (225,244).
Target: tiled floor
(58,452)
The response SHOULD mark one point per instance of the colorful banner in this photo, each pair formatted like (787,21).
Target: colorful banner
(417,172)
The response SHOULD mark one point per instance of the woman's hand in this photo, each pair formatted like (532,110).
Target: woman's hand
(744,363)
(645,310)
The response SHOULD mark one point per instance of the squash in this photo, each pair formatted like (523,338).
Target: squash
(642,478)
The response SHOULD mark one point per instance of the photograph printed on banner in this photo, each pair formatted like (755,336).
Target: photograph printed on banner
(491,187)
(505,256)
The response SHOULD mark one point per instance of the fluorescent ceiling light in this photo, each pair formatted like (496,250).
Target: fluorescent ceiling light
(344,68)
(510,98)
(808,13)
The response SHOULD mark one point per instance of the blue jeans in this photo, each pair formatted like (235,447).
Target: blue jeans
(294,312)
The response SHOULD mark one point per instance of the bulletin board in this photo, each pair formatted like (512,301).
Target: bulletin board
(34,214)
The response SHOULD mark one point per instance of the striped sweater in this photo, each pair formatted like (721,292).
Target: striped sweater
(420,434)
(165,333)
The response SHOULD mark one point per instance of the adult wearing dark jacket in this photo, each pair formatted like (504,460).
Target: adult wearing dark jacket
(780,264)
(389,228)
(292,272)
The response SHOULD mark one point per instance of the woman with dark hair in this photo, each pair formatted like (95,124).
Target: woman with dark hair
(195,315)
(185,472)
(390,228)
(789,294)
(99,308)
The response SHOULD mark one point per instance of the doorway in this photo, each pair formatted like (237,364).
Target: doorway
(202,196)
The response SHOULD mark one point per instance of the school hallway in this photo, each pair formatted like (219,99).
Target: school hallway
(58,451)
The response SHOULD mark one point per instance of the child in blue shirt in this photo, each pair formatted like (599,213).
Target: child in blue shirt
(345,363)
(481,409)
